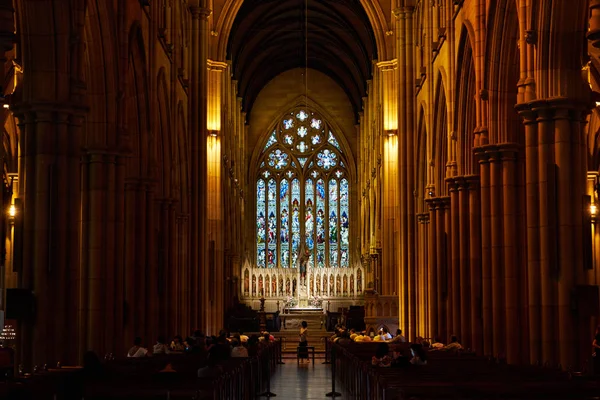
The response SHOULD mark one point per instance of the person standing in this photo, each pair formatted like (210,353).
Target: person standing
(303,350)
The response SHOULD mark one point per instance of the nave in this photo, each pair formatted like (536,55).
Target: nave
(305,381)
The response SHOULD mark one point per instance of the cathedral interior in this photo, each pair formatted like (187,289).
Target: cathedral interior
(434,161)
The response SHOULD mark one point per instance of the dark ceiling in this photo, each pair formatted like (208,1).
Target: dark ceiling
(268,37)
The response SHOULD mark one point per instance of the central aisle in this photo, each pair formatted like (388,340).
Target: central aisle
(304,382)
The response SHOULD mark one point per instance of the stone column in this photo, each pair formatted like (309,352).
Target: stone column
(454,260)
(441,211)
(432,273)
(464,289)
(486,244)
(198,132)
(546,207)
(475,292)
(512,261)
(447,269)
(533,235)
(557,174)
(497,254)
(422,288)
(50,160)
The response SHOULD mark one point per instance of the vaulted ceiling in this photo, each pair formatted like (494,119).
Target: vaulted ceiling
(272,36)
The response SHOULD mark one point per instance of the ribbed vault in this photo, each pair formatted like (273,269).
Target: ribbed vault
(269,37)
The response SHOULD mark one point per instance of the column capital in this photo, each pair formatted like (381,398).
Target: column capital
(200,12)
(444,202)
(508,151)
(49,107)
(401,12)
(387,65)
(218,66)
(472,181)
(553,108)
(423,218)
(481,155)
(452,183)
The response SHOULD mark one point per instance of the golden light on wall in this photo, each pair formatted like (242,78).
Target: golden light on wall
(390,94)
(213,101)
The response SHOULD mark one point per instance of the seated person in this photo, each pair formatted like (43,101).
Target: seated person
(436,344)
(344,339)
(177,344)
(400,360)
(137,350)
(381,357)
(238,350)
(453,345)
(398,338)
(160,347)
(243,338)
(386,335)
(419,355)
(353,334)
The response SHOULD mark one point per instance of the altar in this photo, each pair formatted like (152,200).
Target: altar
(292,318)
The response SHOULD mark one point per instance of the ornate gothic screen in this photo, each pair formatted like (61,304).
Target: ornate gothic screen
(303,218)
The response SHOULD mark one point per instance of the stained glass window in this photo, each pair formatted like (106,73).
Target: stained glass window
(333,223)
(320,218)
(284,229)
(261,224)
(302,200)
(344,214)
(272,223)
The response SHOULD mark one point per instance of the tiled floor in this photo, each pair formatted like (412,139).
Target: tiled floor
(304,382)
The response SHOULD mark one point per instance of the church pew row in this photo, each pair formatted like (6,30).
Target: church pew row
(451,375)
(236,378)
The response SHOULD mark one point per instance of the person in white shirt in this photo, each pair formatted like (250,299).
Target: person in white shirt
(238,350)
(160,347)
(137,350)
(386,334)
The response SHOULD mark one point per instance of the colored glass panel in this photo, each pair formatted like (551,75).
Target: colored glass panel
(288,123)
(261,224)
(302,161)
(321,223)
(344,223)
(302,115)
(284,228)
(295,220)
(272,140)
(309,216)
(326,159)
(333,140)
(333,223)
(315,123)
(278,159)
(272,225)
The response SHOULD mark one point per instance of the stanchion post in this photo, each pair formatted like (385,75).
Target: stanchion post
(268,393)
(280,352)
(333,393)
(326,350)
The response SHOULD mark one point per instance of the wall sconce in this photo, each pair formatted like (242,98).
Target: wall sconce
(593,211)
(12,212)
(391,132)
(213,133)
